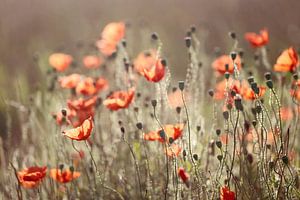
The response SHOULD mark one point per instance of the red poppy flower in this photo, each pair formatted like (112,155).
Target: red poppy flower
(69,81)
(226,194)
(101,84)
(287,61)
(60,61)
(221,62)
(184,176)
(258,40)
(63,176)
(149,66)
(110,37)
(171,131)
(81,132)
(119,99)
(89,86)
(31,177)
(92,62)
(174,150)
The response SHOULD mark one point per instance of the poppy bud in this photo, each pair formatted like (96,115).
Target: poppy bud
(218,132)
(233,55)
(184,152)
(250,79)
(198,128)
(227,75)
(211,92)
(254,122)
(171,140)
(295,76)
(72,169)
(226,67)
(64,112)
(136,109)
(188,42)
(219,144)
(226,115)
(124,43)
(285,160)
(61,166)
(232,93)
(258,109)
(255,88)
(188,34)
(181,85)
(269,83)
(193,28)
(268,76)
(154,103)
(122,129)
(164,62)
(195,156)
(219,157)
(138,94)
(120,122)
(232,35)
(154,36)
(139,125)
(162,134)
(238,104)
(250,158)
(178,110)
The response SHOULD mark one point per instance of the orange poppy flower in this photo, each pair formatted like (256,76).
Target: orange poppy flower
(171,131)
(101,84)
(60,61)
(69,81)
(174,150)
(81,132)
(149,66)
(248,93)
(110,37)
(89,86)
(226,194)
(258,40)
(63,176)
(184,176)
(31,177)
(287,61)
(286,113)
(119,99)
(220,63)
(92,62)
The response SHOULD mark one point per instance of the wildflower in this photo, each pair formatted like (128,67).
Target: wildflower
(149,66)
(287,61)
(119,99)
(286,113)
(174,150)
(89,86)
(69,81)
(64,176)
(226,194)
(221,64)
(184,176)
(258,40)
(31,177)
(60,61)
(91,62)
(81,132)
(171,131)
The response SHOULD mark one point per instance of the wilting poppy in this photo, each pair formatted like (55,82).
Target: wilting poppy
(119,99)
(63,176)
(82,132)
(226,194)
(150,66)
(91,62)
(173,150)
(258,40)
(171,131)
(110,37)
(225,64)
(31,177)
(287,61)
(69,81)
(60,61)
(184,176)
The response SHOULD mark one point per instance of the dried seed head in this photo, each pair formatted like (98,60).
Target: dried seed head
(136,109)
(171,140)
(255,88)
(181,85)
(61,166)
(139,125)
(154,103)
(198,128)
(258,109)
(193,28)
(241,53)
(124,43)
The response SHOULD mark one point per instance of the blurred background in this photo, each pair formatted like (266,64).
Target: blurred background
(30,28)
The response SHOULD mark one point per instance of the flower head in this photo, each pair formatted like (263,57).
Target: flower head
(119,99)
(31,177)
(258,40)
(63,176)
(287,61)
(60,61)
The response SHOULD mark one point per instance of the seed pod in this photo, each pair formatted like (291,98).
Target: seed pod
(188,42)
(219,157)
(269,83)
(139,125)
(211,92)
(181,85)
(164,62)
(233,55)
(268,76)
(178,110)
(219,144)
(154,36)
(250,79)
(218,132)
(154,103)
(195,156)
(285,160)
(227,75)
(226,115)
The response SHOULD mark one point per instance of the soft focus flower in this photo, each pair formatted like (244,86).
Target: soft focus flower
(63,176)
(286,113)
(173,150)
(171,131)
(31,177)
(221,62)
(119,99)
(92,62)
(69,81)
(226,194)
(81,132)
(184,176)
(149,66)
(89,86)
(110,37)
(287,61)
(258,40)
(60,61)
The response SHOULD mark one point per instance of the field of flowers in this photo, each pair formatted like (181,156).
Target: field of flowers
(106,124)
